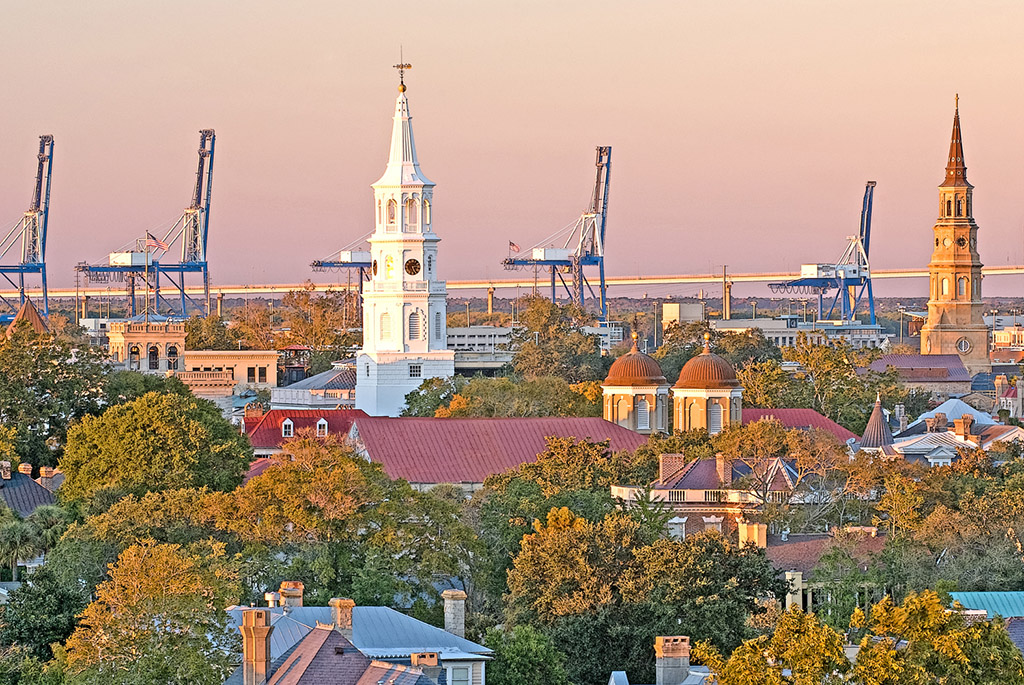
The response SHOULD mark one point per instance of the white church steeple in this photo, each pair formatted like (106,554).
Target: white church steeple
(404,304)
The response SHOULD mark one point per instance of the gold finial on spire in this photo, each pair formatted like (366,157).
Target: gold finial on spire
(401,66)
(956,101)
(707,342)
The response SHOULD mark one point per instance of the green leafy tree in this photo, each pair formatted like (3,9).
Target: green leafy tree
(542,396)
(523,654)
(41,612)
(433,394)
(767,385)
(209,333)
(158,441)
(48,384)
(18,542)
(321,321)
(550,342)
(159,618)
(127,386)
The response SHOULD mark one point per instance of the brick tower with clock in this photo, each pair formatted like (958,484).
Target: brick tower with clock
(956,322)
(405,338)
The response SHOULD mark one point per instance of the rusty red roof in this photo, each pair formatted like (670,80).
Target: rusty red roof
(804,419)
(923,368)
(429,450)
(802,552)
(267,434)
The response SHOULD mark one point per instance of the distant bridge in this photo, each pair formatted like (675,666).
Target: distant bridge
(512,283)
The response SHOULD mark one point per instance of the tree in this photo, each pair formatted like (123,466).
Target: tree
(209,333)
(156,442)
(523,654)
(18,542)
(920,642)
(801,651)
(41,612)
(550,342)
(126,386)
(48,384)
(254,326)
(482,396)
(766,384)
(319,321)
(433,394)
(159,618)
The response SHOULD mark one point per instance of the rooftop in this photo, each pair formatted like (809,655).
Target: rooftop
(804,419)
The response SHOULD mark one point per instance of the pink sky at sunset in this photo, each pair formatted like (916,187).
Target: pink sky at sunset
(742,132)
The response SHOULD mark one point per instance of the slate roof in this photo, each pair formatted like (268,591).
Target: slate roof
(803,419)
(341,377)
(267,433)
(924,368)
(1005,604)
(23,495)
(1015,627)
(378,632)
(429,450)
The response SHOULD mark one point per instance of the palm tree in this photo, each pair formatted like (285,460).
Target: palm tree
(49,523)
(17,542)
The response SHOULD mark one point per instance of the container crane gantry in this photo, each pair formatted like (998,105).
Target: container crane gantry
(30,232)
(348,257)
(137,262)
(589,235)
(850,276)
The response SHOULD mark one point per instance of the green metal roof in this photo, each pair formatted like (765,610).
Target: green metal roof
(1005,604)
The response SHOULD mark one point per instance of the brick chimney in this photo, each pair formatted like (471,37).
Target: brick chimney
(937,424)
(428,663)
(672,664)
(341,615)
(669,464)
(962,426)
(256,659)
(291,593)
(26,468)
(46,477)
(5,470)
(455,612)
(1002,383)
(724,468)
(901,416)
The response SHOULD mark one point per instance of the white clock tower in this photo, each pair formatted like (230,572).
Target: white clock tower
(405,337)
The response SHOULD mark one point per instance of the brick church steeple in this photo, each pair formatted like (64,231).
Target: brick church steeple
(955,312)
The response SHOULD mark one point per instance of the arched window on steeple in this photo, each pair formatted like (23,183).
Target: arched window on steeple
(715,419)
(968,205)
(380,214)
(692,415)
(430,265)
(961,286)
(392,212)
(949,208)
(426,212)
(385,326)
(389,267)
(437,326)
(959,206)
(415,326)
(945,287)
(411,215)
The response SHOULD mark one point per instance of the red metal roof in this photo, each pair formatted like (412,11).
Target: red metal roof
(798,418)
(429,450)
(267,433)
(256,468)
(923,368)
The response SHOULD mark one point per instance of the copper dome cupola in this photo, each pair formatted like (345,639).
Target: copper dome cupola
(707,370)
(635,368)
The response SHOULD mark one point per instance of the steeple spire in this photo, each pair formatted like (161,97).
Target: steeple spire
(956,169)
(403,166)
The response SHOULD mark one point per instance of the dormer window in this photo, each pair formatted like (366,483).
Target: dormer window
(321,428)
(287,428)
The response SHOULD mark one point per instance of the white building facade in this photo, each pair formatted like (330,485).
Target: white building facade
(404,304)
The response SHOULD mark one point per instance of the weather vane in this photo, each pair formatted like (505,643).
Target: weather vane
(401,66)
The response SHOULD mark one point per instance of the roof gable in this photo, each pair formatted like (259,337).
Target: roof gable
(267,434)
(803,419)
(23,495)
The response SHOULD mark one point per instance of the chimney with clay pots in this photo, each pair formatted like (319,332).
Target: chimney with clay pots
(291,593)
(341,615)
(669,465)
(5,470)
(672,654)
(455,612)
(256,659)
(25,468)
(428,663)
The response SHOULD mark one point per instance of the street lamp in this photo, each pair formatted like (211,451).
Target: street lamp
(901,309)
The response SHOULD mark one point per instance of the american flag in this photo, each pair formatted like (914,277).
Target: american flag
(154,242)
(512,247)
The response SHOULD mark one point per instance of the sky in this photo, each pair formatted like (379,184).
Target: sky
(742,132)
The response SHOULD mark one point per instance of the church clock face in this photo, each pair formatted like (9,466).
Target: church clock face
(961,242)
(412,267)
(963,345)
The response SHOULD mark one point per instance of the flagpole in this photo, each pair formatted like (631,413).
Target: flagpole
(147,281)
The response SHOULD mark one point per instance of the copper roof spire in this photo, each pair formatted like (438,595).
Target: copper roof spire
(956,169)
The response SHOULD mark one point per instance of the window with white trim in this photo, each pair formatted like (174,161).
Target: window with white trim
(677,527)
(459,675)
(321,428)
(643,415)
(415,327)
(287,428)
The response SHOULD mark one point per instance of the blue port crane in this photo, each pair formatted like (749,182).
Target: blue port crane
(850,276)
(352,256)
(588,234)
(141,260)
(30,234)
